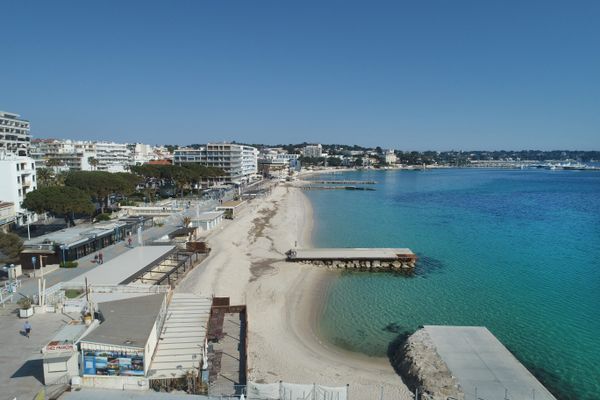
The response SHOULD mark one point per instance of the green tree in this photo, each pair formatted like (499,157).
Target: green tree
(45,177)
(11,246)
(334,161)
(53,162)
(57,200)
(93,161)
(102,184)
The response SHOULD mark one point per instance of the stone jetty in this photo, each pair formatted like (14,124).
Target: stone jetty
(375,259)
(464,363)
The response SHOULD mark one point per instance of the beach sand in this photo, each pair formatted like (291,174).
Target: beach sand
(284,300)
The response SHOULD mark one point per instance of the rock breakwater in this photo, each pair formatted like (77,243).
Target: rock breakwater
(422,368)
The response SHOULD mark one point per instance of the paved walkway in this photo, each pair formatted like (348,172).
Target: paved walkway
(21,374)
(29,286)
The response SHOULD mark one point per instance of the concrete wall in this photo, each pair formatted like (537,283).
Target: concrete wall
(54,369)
(115,382)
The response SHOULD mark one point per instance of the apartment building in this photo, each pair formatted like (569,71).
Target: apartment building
(239,162)
(112,157)
(63,154)
(18,179)
(14,134)
(80,155)
(313,151)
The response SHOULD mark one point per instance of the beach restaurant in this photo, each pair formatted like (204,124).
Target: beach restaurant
(73,243)
(208,220)
(117,354)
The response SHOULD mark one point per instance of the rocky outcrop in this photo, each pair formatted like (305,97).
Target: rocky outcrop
(421,367)
(373,265)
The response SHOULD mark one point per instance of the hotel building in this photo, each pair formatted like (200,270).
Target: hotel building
(239,162)
(14,134)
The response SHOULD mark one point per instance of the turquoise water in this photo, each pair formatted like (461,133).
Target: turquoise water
(516,251)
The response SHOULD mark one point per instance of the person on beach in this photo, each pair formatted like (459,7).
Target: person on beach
(100,258)
(27,328)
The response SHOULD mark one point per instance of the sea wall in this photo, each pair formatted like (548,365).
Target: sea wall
(374,265)
(422,368)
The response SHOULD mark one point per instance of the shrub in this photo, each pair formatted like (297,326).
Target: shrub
(73,293)
(69,264)
(103,217)
(25,303)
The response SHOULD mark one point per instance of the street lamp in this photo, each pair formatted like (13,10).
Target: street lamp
(24,215)
(62,247)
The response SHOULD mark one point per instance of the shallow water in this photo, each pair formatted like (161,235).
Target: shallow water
(516,251)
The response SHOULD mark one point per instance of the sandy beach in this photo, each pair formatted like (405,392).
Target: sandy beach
(284,299)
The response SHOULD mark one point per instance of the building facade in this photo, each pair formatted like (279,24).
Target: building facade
(390,156)
(313,151)
(78,155)
(18,179)
(14,134)
(63,154)
(239,162)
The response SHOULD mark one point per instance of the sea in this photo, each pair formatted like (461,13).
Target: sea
(517,251)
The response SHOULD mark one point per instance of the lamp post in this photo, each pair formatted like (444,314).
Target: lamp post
(62,248)
(24,215)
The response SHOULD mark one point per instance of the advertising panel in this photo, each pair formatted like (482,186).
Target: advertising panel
(113,363)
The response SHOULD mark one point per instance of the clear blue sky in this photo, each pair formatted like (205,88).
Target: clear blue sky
(409,75)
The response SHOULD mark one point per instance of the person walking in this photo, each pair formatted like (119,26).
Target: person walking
(129,241)
(100,258)
(27,328)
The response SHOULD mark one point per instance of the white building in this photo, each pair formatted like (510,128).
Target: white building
(239,162)
(7,215)
(18,179)
(112,157)
(65,154)
(142,153)
(313,151)
(390,156)
(14,134)
(79,155)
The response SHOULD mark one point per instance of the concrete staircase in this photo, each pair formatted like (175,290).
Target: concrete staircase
(181,341)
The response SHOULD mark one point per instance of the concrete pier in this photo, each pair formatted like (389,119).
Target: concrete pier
(466,363)
(356,258)
(342,182)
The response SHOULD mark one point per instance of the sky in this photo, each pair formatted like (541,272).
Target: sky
(418,75)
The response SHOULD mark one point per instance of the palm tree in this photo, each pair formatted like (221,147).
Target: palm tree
(44,177)
(186,221)
(93,161)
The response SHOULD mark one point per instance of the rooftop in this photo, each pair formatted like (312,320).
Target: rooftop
(74,235)
(68,334)
(121,269)
(207,216)
(128,323)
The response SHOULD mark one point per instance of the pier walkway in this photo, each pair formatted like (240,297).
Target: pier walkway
(485,369)
(342,182)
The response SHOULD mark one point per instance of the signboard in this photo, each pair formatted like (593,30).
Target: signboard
(56,346)
(113,363)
